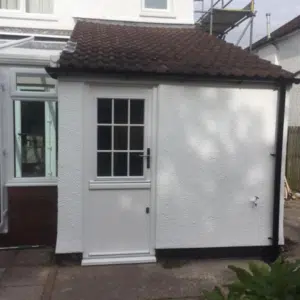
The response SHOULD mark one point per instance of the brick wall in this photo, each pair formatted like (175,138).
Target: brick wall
(32,213)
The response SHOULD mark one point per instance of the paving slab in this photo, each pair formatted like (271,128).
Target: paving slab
(7,258)
(1,272)
(25,276)
(21,293)
(34,257)
(148,281)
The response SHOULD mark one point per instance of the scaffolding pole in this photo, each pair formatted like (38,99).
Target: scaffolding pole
(219,19)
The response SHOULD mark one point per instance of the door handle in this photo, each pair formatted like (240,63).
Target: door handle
(148,156)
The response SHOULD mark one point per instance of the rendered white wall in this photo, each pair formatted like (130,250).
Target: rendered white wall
(289,52)
(214,150)
(70,166)
(294,110)
(213,157)
(269,53)
(286,53)
(129,10)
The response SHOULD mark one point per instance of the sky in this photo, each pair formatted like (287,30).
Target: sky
(281,12)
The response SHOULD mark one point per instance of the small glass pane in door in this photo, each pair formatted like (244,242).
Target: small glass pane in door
(120,137)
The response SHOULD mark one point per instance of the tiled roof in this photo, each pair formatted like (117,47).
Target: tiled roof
(282,31)
(166,50)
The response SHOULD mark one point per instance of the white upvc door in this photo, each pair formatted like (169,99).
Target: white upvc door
(118,166)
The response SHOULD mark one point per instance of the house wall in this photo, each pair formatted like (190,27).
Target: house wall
(70,167)
(66,10)
(32,217)
(214,148)
(286,53)
(208,171)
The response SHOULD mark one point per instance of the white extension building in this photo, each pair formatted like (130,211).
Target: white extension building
(141,134)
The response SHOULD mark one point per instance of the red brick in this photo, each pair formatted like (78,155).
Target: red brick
(32,213)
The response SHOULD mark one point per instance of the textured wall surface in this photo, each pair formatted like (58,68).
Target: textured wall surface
(294,110)
(269,53)
(286,53)
(214,157)
(69,238)
(182,11)
(32,216)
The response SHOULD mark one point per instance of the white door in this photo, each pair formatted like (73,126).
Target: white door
(117,158)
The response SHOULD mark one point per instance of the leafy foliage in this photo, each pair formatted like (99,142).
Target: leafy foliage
(278,281)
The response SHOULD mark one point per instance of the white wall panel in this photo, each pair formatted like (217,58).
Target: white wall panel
(214,148)
(70,166)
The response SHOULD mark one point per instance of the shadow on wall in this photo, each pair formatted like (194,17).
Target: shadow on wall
(214,159)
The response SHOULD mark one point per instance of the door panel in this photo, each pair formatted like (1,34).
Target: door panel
(119,220)
(117,172)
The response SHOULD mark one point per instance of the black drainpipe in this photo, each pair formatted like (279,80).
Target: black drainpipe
(278,168)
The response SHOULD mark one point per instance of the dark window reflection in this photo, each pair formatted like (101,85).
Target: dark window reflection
(104,111)
(136,164)
(104,164)
(120,164)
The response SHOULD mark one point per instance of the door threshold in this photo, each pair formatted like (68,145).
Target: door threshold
(110,260)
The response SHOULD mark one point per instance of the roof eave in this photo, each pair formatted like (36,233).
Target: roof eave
(57,72)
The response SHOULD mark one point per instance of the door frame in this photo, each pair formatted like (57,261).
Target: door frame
(152,130)
(3,192)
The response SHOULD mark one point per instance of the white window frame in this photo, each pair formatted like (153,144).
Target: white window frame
(20,13)
(50,100)
(157,12)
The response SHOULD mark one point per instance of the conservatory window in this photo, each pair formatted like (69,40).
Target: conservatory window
(35,125)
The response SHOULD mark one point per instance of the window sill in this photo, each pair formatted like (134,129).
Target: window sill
(27,16)
(28,182)
(119,185)
(157,14)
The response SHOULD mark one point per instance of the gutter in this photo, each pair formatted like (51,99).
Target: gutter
(56,72)
(278,171)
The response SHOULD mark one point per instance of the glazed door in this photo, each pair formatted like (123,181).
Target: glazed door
(118,168)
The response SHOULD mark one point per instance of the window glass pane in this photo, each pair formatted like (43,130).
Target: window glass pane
(120,164)
(136,138)
(121,111)
(104,137)
(29,139)
(104,164)
(136,164)
(136,111)
(156,4)
(35,83)
(120,137)
(9,4)
(51,138)
(39,6)
(104,111)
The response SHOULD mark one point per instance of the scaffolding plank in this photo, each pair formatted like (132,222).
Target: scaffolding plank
(224,19)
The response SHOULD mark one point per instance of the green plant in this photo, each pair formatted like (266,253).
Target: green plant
(278,281)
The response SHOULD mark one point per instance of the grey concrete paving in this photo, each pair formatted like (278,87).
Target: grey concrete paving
(148,281)
(21,293)
(32,274)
